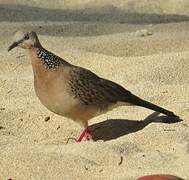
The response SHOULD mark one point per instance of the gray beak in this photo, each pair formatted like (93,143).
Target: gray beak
(13,45)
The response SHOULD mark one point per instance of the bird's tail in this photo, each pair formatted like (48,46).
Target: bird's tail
(135,100)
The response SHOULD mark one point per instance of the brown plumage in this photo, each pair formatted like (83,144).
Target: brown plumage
(73,91)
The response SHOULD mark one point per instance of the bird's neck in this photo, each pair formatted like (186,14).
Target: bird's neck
(41,56)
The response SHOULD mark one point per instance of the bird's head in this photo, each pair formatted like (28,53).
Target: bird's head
(26,40)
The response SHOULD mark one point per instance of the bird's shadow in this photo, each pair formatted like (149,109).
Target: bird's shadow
(114,128)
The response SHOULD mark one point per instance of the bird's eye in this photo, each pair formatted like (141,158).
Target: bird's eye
(26,37)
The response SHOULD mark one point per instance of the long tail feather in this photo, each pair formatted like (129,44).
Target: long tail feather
(140,102)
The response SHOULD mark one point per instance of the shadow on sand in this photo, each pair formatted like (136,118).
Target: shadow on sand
(114,128)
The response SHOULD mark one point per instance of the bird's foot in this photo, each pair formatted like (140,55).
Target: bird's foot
(85,134)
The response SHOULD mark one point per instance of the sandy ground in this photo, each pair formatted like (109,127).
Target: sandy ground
(148,54)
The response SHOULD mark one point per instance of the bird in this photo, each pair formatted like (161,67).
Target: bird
(72,91)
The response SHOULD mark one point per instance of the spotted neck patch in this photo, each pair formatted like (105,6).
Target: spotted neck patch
(50,60)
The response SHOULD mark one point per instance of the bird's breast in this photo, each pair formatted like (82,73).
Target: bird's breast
(54,96)
(52,90)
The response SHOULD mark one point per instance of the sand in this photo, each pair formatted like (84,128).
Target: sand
(143,46)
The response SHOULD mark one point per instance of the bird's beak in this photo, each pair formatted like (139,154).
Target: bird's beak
(13,45)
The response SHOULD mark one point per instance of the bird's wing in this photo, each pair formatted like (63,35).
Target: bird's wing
(93,90)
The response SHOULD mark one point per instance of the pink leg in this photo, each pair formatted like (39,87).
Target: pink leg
(85,134)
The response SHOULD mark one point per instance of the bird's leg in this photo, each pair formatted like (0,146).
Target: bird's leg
(85,134)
